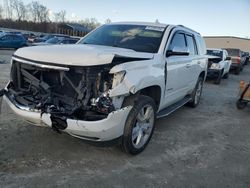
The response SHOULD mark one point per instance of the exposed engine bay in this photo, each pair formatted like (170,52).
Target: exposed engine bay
(213,60)
(79,93)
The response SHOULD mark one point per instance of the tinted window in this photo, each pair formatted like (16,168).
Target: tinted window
(17,38)
(7,37)
(178,42)
(191,45)
(141,38)
(72,41)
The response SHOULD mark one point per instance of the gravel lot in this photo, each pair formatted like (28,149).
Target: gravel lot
(208,146)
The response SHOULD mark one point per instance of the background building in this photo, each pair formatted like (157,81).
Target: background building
(228,42)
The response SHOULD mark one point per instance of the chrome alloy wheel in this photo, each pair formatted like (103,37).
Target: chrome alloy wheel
(198,92)
(143,126)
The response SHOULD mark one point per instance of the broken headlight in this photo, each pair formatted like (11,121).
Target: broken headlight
(215,66)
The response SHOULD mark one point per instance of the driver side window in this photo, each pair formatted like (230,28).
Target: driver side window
(178,42)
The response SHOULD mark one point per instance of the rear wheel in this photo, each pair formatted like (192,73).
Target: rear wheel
(139,126)
(196,95)
(237,70)
(241,105)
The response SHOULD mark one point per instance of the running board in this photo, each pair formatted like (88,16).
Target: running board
(173,107)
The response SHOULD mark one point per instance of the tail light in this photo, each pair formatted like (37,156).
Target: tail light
(238,60)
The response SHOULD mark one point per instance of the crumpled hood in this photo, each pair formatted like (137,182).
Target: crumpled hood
(77,54)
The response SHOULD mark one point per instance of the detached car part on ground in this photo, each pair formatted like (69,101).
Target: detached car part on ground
(112,85)
(219,64)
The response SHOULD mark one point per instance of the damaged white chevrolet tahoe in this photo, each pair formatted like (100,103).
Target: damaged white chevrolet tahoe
(112,85)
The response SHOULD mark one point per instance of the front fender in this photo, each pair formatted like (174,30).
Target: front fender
(139,75)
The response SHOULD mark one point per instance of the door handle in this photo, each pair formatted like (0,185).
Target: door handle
(188,65)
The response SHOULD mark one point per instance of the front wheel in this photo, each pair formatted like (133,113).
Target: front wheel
(196,95)
(139,126)
(218,80)
(226,76)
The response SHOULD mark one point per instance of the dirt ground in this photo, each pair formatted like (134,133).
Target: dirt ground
(208,146)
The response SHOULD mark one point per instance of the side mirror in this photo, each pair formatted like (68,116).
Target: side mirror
(228,58)
(177,51)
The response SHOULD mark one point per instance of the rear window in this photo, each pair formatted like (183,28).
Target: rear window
(233,52)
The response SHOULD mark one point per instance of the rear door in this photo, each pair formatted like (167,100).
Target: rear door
(194,62)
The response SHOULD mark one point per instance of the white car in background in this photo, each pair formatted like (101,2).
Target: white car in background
(218,64)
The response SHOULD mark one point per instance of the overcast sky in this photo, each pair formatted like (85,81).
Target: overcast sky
(209,17)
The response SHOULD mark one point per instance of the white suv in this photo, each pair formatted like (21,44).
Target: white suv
(219,64)
(113,84)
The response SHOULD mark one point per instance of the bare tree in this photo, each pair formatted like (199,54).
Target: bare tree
(90,23)
(1,12)
(61,16)
(8,9)
(157,21)
(108,21)
(19,9)
(38,12)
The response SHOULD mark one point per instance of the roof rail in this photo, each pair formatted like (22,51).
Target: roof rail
(188,28)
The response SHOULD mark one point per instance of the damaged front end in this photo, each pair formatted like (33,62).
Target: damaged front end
(64,92)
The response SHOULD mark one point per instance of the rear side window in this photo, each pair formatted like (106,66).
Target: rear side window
(16,38)
(178,41)
(201,45)
(7,37)
(191,45)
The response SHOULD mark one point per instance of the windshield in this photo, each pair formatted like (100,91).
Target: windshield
(215,53)
(53,40)
(136,37)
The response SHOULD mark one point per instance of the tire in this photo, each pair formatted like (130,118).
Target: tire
(241,105)
(218,80)
(139,126)
(196,94)
(237,70)
(226,76)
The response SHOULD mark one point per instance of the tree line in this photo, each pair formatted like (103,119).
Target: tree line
(36,17)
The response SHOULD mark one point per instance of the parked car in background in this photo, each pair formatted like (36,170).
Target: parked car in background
(245,56)
(49,36)
(111,85)
(237,60)
(57,40)
(29,36)
(219,64)
(8,40)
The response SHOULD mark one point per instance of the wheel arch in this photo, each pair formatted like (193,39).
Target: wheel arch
(151,91)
